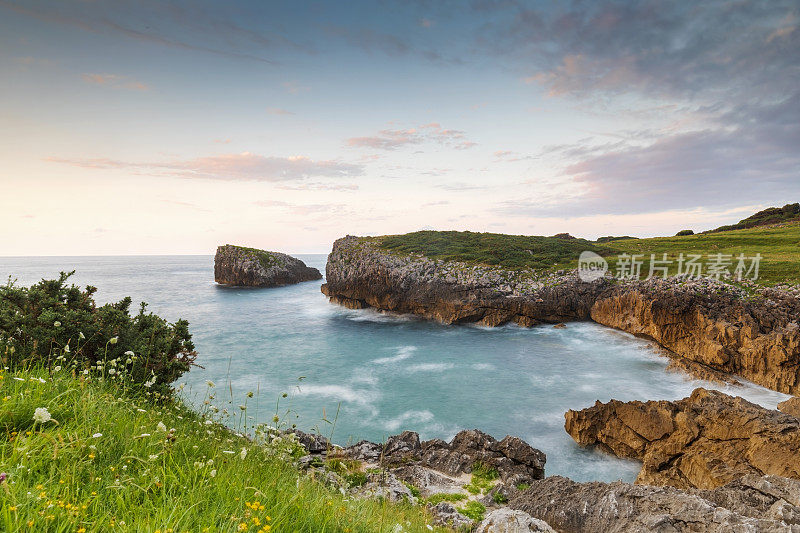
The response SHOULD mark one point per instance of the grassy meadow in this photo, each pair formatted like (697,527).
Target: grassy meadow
(779,246)
(93,458)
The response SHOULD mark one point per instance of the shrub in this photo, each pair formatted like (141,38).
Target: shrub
(473,509)
(684,233)
(55,324)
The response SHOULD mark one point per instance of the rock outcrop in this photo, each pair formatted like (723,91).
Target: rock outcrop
(411,460)
(763,504)
(703,441)
(249,267)
(753,334)
(791,406)
(507,520)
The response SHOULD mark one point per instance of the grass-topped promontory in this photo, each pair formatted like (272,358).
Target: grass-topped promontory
(93,438)
(510,251)
(778,245)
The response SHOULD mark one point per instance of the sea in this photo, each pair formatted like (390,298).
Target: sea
(362,374)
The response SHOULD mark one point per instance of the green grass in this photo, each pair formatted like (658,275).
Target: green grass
(264,257)
(778,246)
(109,462)
(483,479)
(511,251)
(439,497)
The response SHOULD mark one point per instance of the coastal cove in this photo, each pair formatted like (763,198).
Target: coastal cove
(388,372)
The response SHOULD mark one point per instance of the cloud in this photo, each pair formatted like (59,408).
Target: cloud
(116,81)
(278,111)
(428,133)
(306,209)
(320,187)
(757,160)
(244,166)
(292,87)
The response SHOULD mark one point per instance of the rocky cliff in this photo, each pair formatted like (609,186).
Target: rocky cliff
(703,441)
(749,332)
(516,497)
(249,267)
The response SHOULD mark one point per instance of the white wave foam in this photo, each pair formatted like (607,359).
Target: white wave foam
(339,392)
(409,417)
(430,367)
(483,366)
(404,352)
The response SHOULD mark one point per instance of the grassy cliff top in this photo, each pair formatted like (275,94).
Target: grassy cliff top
(266,258)
(83,455)
(779,247)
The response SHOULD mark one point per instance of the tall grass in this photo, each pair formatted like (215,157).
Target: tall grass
(111,461)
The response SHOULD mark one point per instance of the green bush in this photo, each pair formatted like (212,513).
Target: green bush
(684,233)
(55,325)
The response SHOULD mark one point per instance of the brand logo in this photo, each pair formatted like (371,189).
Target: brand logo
(591,266)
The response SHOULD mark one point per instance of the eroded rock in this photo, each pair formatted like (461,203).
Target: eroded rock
(250,267)
(507,520)
(703,441)
(572,507)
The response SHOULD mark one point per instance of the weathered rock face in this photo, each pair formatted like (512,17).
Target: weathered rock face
(507,520)
(248,267)
(791,406)
(515,460)
(712,324)
(753,504)
(703,441)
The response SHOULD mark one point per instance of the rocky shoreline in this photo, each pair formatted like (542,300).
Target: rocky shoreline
(477,483)
(747,331)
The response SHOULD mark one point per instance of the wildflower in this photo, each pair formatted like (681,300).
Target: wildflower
(113,340)
(57,368)
(243,407)
(210,383)
(57,324)
(66,348)
(129,353)
(153,457)
(243,454)
(111,371)
(3,476)
(242,526)
(150,382)
(161,426)
(213,473)
(41,415)
(208,422)
(97,435)
(81,336)
(250,394)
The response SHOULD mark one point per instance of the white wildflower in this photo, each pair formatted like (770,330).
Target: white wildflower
(243,454)
(41,415)
(161,426)
(152,457)
(113,340)
(208,422)
(97,435)
(213,473)
(57,368)
(57,324)
(81,336)
(111,371)
(66,348)
(129,353)
(143,435)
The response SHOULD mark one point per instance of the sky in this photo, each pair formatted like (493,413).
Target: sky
(146,127)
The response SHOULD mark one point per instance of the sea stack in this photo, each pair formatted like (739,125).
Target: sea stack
(250,267)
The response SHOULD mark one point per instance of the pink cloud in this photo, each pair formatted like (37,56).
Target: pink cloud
(115,81)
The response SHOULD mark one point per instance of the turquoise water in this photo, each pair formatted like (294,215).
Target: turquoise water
(387,373)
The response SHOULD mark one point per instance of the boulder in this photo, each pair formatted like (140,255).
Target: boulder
(507,520)
(791,406)
(572,507)
(703,441)
(250,267)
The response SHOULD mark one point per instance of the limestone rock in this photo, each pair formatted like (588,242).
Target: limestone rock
(507,520)
(791,406)
(444,514)
(705,321)
(249,267)
(703,441)
(572,507)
